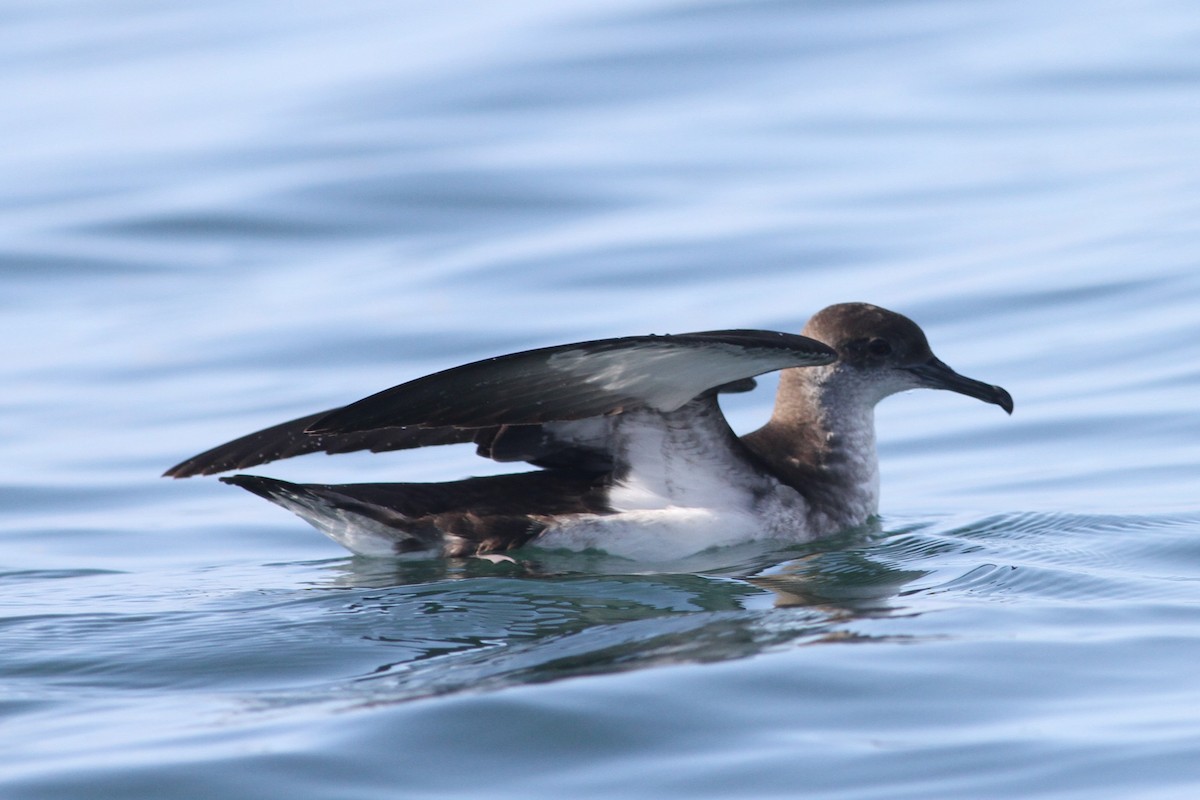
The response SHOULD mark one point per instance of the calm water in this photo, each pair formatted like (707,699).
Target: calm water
(221,216)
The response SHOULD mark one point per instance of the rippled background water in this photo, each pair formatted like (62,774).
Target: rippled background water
(219,216)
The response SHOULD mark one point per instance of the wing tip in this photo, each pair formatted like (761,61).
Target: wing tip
(268,488)
(184,469)
(199,465)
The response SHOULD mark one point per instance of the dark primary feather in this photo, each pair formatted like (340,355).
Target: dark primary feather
(497,403)
(289,439)
(577,381)
(542,445)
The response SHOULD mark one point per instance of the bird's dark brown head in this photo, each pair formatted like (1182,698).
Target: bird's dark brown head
(869,336)
(889,353)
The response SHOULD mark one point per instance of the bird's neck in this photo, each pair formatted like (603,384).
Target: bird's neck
(821,441)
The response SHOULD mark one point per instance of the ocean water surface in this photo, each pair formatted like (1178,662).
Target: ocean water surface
(220,217)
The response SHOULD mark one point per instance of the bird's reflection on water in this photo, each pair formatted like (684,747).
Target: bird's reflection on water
(474,624)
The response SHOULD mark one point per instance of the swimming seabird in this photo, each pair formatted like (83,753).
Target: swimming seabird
(636,458)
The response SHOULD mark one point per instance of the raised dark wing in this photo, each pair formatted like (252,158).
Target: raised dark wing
(289,439)
(499,403)
(577,381)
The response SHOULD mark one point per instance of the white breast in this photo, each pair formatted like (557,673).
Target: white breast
(681,488)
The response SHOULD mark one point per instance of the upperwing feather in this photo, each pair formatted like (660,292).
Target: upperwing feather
(576,381)
(551,384)
(289,439)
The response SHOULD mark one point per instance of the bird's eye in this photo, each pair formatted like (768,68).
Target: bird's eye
(879,347)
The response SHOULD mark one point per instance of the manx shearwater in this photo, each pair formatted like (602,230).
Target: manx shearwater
(635,456)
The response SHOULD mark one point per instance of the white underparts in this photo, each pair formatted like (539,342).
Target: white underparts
(682,488)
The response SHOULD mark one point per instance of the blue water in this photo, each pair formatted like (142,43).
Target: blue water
(220,216)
